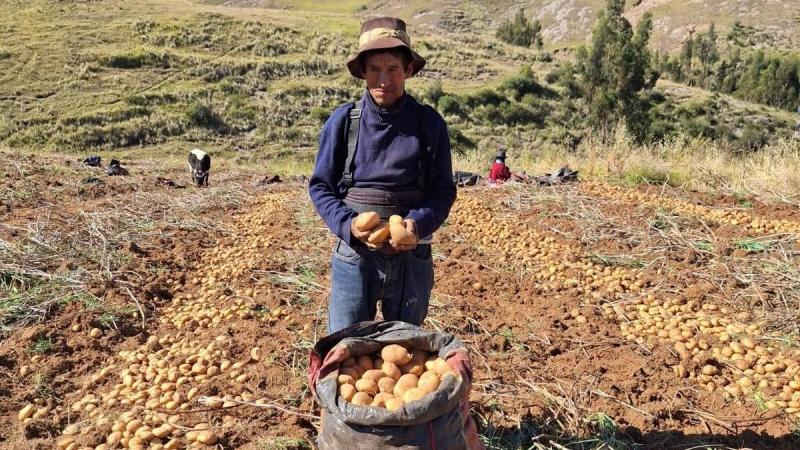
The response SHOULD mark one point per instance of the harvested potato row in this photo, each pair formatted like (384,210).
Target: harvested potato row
(392,378)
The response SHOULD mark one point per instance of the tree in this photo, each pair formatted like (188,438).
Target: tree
(520,31)
(615,69)
(687,55)
(706,47)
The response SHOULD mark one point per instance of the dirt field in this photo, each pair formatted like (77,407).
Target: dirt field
(597,316)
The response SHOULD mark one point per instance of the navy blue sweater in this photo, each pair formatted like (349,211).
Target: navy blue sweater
(390,146)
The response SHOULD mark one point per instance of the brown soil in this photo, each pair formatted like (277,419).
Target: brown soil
(535,363)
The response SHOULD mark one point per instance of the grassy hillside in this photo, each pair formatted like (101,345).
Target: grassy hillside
(254,85)
(108,75)
(773,24)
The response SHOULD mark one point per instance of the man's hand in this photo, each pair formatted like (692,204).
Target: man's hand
(362,236)
(411,226)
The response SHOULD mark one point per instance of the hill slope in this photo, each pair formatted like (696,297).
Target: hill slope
(568,22)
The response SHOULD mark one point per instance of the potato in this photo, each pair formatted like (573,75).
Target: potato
(401,235)
(351,372)
(207,437)
(368,386)
(63,443)
(413,368)
(413,394)
(162,431)
(346,379)
(386,384)
(365,362)
(393,404)
(347,391)
(380,399)
(395,220)
(373,374)
(428,382)
(391,370)
(439,366)
(396,354)
(26,411)
(405,383)
(367,221)
(429,362)
(380,234)
(362,399)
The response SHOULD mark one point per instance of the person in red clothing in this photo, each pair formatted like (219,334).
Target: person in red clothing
(500,171)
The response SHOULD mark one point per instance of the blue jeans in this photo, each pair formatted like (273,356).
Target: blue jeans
(360,277)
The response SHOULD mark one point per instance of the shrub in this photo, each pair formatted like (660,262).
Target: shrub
(459,142)
(522,83)
(434,93)
(510,114)
(699,127)
(139,59)
(450,105)
(753,138)
(660,129)
(320,114)
(520,31)
(202,115)
(484,97)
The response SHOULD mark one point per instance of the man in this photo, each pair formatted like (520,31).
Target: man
(388,154)
(499,172)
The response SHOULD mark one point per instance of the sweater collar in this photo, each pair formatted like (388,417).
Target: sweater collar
(384,113)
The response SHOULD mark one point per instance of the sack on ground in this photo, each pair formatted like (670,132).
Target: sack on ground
(439,421)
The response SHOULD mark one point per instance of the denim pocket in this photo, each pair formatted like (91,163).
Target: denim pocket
(422,252)
(344,252)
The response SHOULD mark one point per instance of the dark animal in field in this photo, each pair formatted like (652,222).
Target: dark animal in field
(199,166)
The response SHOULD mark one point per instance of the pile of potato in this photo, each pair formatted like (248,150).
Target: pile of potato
(707,213)
(380,232)
(392,378)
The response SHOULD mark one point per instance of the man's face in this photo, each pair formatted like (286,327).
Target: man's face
(386,78)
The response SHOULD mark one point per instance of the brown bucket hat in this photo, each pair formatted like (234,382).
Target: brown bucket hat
(381,33)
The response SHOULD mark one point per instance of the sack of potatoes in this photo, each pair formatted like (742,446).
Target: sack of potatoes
(392,377)
(381,232)
(386,385)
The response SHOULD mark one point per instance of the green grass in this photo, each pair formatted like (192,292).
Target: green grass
(755,245)
(283,444)
(329,6)
(618,261)
(759,401)
(25,299)
(652,175)
(41,345)
(704,246)
(520,437)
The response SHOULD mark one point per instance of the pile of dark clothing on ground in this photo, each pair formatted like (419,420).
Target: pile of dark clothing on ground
(114,167)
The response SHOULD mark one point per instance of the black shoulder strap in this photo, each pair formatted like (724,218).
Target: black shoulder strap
(352,142)
(425,161)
